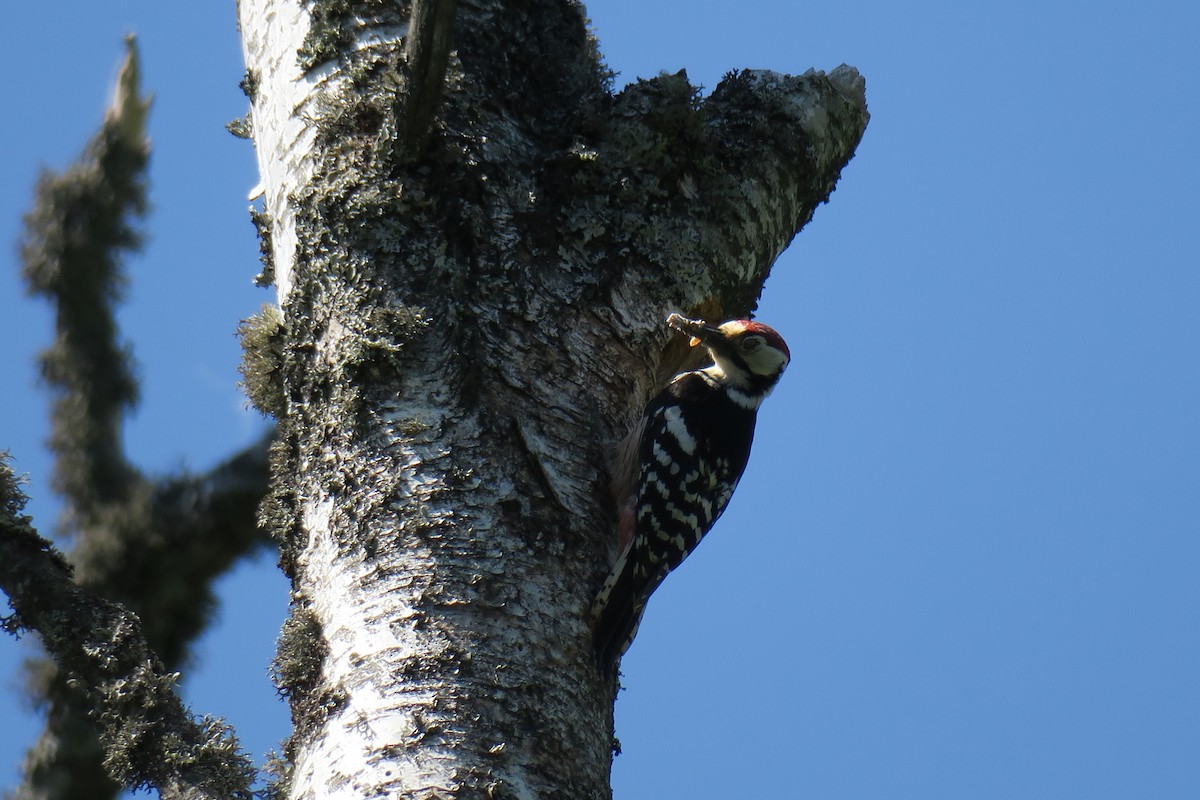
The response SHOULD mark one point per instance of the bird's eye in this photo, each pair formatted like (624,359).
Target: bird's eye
(752,343)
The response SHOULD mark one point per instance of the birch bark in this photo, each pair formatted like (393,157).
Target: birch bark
(464,335)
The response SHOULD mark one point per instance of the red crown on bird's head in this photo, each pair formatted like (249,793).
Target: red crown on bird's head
(736,326)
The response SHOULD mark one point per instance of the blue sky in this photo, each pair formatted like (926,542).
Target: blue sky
(965,560)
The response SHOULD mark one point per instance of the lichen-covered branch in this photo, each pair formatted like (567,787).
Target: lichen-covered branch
(427,52)
(149,737)
(81,223)
(155,545)
(160,552)
(690,200)
(159,555)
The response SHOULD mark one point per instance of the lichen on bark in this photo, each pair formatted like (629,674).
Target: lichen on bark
(468,332)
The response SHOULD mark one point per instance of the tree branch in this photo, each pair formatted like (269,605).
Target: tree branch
(150,738)
(160,553)
(724,183)
(781,142)
(154,545)
(74,238)
(160,556)
(427,53)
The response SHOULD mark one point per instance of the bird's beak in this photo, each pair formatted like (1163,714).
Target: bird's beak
(700,331)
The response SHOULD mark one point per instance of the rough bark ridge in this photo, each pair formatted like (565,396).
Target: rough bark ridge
(466,333)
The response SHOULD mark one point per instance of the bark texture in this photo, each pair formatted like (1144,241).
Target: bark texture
(465,336)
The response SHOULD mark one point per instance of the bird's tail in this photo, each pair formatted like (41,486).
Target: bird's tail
(618,609)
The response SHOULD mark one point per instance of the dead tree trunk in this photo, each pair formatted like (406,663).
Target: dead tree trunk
(472,313)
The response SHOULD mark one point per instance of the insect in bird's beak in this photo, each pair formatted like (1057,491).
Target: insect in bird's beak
(696,329)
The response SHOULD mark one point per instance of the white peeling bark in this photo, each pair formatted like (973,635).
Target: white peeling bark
(272,33)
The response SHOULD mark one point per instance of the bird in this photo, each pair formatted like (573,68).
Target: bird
(679,466)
